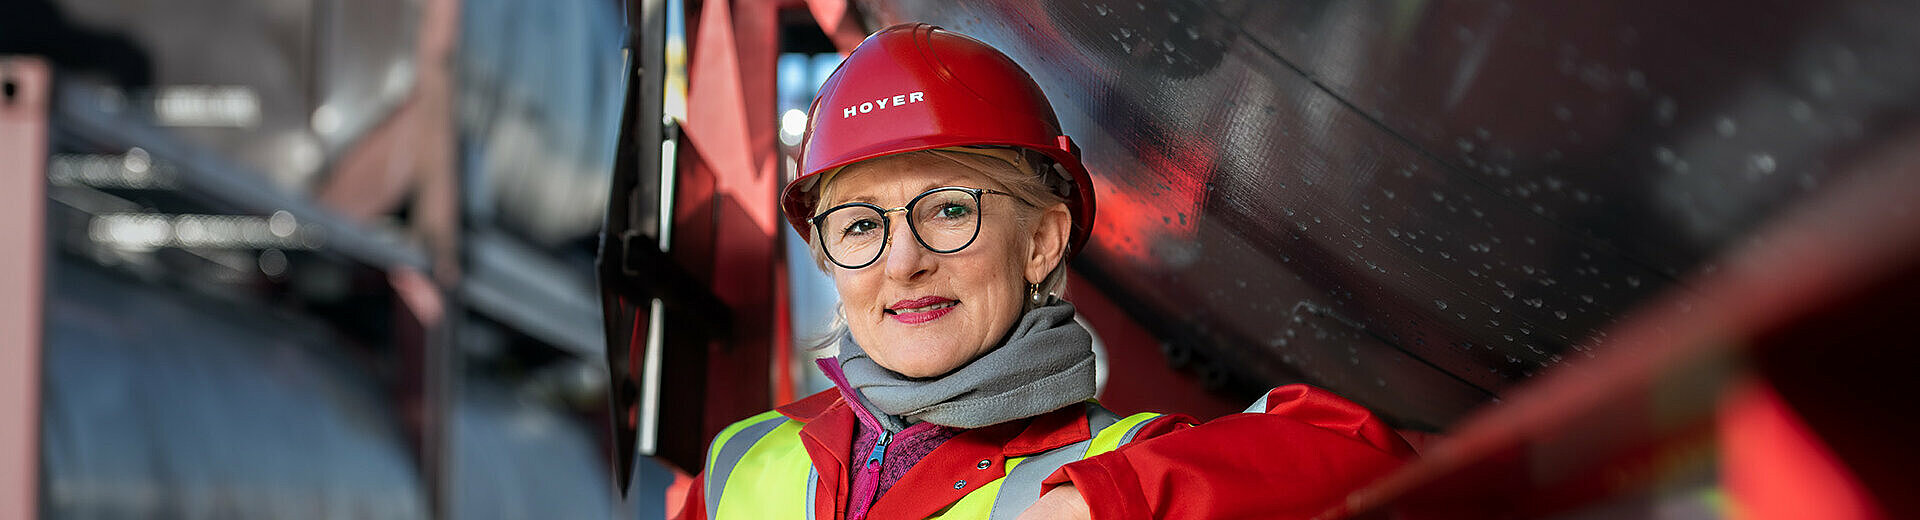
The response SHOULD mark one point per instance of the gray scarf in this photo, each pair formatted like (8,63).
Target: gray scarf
(1045,363)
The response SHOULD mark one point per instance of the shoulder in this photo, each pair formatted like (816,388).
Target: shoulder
(766,417)
(1110,430)
(1322,408)
(753,452)
(765,442)
(749,431)
(1299,403)
(1297,412)
(745,432)
(809,407)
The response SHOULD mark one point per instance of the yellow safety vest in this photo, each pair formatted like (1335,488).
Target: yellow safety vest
(758,469)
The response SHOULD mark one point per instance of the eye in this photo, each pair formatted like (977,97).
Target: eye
(955,211)
(859,227)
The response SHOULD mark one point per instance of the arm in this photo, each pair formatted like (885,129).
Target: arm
(1297,460)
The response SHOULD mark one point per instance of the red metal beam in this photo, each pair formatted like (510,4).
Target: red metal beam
(407,159)
(726,224)
(838,20)
(1817,307)
(24,85)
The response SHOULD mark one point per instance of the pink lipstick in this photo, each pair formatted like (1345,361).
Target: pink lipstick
(921,310)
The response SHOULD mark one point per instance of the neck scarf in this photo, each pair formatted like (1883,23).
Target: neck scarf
(1045,363)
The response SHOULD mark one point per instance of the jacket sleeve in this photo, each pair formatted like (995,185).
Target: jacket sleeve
(1297,460)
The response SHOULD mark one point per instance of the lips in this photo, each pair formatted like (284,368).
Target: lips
(921,310)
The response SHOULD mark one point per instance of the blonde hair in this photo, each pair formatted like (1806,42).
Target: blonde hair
(1029,176)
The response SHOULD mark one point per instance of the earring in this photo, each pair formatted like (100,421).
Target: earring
(1033,295)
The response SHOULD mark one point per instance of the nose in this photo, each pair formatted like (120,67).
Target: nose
(906,260)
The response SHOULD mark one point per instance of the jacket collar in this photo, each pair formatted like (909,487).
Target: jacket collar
(810,408)
(1050,430)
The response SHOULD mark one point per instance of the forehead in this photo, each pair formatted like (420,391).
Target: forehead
(900,177)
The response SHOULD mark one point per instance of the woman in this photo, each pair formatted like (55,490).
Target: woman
(941,197)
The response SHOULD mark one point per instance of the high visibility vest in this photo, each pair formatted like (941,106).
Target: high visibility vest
(757,468)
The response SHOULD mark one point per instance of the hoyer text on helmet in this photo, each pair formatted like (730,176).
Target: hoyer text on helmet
(882,103)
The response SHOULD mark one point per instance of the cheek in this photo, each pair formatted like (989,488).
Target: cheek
(1003,280)
(856,292)
(847,282)
(1014,252)
(856,306)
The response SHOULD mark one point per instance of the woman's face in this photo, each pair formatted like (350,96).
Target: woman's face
(924,314)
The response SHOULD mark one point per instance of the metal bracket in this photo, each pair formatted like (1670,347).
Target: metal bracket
(651,272)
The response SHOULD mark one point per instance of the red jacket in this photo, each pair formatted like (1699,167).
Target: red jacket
(1299,459)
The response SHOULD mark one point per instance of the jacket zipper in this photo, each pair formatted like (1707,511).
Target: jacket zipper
(870,472)
(879,451)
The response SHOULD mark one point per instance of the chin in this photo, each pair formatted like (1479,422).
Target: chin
(929,349)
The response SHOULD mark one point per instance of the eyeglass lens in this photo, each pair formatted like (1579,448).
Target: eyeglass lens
(944,220)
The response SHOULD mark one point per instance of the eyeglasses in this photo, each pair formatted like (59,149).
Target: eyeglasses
(944,220)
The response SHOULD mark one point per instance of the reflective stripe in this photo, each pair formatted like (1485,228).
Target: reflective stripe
(767,451)
(1120,433)
(813,482)
(1021,488)
(1099,418)
(730,446)
(1259,406)
(767,483)
(1135,430)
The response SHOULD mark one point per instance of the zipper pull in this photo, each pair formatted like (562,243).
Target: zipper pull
(880,448)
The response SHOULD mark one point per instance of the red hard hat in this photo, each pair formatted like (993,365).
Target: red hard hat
(917,87)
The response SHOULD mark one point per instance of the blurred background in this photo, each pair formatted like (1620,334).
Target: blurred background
(319,258)
(522,258)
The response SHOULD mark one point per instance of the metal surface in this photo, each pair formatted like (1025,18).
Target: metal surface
(405,157)
(715,259)
(205,350)
(726,225)
(201,115)
(289,85)
(1820,317)
(511,282)
(82,125)
(25,89)
(539,88)
(521,459)
(1419,205)
(161,403)
(627,305)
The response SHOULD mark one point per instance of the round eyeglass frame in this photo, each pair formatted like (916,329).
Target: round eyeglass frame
(886,224)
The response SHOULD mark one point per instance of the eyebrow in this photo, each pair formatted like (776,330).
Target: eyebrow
(945,182)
